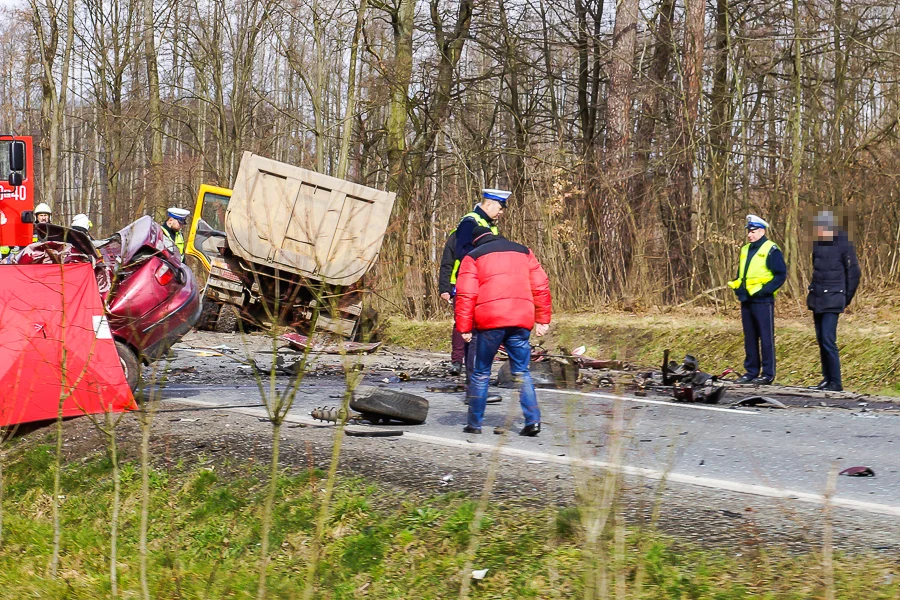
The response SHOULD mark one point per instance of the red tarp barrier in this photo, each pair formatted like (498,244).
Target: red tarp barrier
(43,310)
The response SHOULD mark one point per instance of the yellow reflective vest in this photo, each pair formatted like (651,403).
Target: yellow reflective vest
(480,221)
(756,274)
(178,240)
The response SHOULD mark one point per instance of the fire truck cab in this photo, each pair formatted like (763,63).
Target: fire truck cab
(16,191)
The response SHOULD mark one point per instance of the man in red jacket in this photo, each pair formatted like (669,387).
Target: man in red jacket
(501,292)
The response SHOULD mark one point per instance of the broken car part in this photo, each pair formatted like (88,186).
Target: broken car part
(763,401)
(858,472)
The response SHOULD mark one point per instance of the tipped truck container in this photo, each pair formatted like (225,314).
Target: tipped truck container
(292,248)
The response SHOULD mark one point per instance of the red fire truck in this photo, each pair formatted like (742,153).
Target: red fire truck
(16,190)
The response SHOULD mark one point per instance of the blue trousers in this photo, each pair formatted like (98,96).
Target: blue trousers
(758,321)
(826,336)
(519,350)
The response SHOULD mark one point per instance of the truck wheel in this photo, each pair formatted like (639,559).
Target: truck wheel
(208,315)
(391,404)
(228,319)
(130,364)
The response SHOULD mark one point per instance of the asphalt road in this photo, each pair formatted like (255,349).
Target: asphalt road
(765,453)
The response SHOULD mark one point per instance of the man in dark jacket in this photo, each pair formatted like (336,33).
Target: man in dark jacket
(447,291)
(502,293)
(761,271)
(834,282)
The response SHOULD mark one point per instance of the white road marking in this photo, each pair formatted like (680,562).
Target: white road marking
(655,474)
(731,411)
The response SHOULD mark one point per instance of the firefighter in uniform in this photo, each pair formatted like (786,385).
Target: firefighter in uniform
(42,214)
(761,272)
(176,218)
(82,223)
(485,214)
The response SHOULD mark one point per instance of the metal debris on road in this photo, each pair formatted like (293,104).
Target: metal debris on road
(367,432)
(686,382)
(858,472)
(450,388)
(762,401)
(447,479)
(302,342)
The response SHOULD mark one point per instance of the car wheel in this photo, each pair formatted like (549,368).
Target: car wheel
(130,365)
(227,322)
(390,404)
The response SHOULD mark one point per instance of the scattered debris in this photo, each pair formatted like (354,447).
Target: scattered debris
(499,430)
(302,343)
(858,472)
(685,382)
(367,432)
(450,388)
(763,401)
(553,372)
(480,574)
(333,414)
(447,479)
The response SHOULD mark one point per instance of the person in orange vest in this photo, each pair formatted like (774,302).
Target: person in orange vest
(761,272)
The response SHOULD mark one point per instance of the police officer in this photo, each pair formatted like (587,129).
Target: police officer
(834,282)
(176,218)
(761,272)
(485,214)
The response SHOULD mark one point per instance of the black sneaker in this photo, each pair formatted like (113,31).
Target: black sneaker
(531,430)
(494,398)
(832,387)
(744,379)
(456,368)
(820,386)
(762,381)
(468,429)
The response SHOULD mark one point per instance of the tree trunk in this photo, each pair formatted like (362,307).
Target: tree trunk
(719,145)
(791,229)
(677,212)
(615,217)
(154,113)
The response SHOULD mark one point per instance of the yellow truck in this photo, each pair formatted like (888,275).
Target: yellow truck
(286,246)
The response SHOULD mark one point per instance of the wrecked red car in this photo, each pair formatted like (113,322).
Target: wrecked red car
(151,298)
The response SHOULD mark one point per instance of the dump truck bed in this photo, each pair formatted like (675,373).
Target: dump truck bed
(320,227)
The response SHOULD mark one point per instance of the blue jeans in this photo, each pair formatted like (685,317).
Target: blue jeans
(519,350)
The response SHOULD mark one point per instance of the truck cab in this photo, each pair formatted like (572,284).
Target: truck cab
(206,236)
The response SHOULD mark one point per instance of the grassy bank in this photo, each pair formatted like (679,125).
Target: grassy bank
(378,543)
(870,352)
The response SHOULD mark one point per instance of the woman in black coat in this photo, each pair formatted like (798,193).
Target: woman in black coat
(834,283)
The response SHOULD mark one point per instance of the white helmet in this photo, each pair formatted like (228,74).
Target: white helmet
(81,220)
(42,209)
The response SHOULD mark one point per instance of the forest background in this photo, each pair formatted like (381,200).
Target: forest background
(635,135)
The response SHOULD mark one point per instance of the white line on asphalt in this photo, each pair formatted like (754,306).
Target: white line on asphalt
(732,411)
(695,480)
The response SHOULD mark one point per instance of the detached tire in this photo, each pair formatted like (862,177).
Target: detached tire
(391,404)
(130,364)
